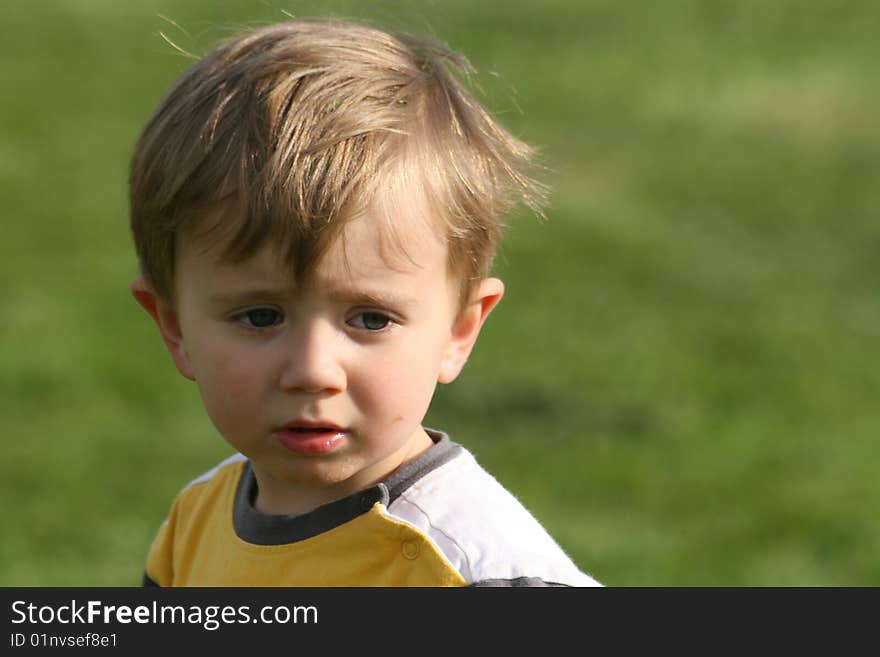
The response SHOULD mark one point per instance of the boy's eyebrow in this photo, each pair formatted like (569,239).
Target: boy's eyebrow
(369,297)
(347,295)
(249,294)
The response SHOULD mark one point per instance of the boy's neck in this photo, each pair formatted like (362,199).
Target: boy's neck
(280,497)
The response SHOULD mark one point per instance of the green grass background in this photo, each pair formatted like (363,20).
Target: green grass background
(682,381)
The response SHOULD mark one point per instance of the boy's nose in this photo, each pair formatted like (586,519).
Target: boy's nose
(312,361)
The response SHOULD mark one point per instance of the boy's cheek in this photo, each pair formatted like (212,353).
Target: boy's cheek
(230,406)
(226,377)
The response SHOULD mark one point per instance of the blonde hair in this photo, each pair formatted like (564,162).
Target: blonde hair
(287,132)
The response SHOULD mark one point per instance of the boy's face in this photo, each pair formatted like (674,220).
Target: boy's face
(323,388)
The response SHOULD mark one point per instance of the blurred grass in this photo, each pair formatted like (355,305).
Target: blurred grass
(682,380)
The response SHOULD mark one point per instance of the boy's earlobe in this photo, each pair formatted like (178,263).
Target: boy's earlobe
(166,319)
(467,328)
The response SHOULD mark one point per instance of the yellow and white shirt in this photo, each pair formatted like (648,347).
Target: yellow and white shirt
(440,520)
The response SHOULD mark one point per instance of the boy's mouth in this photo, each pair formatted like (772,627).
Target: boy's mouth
(310,438)
(300,426)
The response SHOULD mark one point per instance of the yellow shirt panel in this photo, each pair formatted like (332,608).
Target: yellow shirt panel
(198,546)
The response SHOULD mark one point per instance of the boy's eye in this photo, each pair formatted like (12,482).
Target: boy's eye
(371,321)
(261,317)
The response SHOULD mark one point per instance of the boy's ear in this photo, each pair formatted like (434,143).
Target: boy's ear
(166,319)
(467,327)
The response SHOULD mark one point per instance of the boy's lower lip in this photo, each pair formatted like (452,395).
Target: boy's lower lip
(310,442)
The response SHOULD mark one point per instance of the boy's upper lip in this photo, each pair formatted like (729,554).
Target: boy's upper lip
(305,423)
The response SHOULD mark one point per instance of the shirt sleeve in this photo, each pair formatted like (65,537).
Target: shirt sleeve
(160,563)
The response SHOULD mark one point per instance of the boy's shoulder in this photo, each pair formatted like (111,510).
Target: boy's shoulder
(480,526)
(218,481)
(228,466)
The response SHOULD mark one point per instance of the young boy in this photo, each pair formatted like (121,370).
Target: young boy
(315,207)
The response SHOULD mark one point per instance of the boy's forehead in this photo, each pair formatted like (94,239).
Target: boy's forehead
(395,238)
(370,245)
